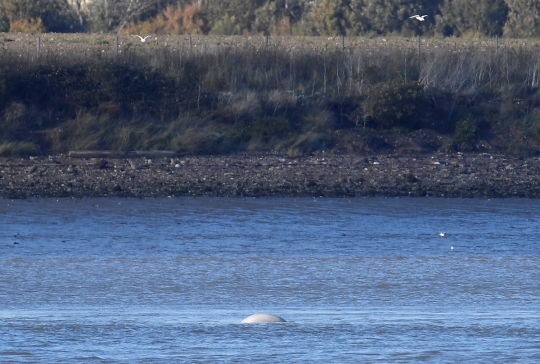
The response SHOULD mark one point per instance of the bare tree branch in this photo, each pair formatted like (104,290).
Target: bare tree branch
(116,13)
(78,5)
(127,10)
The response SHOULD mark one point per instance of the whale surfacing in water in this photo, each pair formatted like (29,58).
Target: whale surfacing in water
(262,318)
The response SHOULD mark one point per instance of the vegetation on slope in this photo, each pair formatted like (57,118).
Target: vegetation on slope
(296,100)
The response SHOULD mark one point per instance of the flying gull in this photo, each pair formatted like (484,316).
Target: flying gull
(418,17)
(142,39)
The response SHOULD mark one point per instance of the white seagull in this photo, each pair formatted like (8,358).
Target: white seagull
(142,39)
(442,234)
(418,17)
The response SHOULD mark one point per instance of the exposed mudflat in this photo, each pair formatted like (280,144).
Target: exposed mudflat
(258,175)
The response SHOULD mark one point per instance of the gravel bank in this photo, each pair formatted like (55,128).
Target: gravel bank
(446,175)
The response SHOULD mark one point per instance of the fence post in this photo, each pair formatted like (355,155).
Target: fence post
(190,43)
(342,42)
(266,42)
(38,45)
(496,45)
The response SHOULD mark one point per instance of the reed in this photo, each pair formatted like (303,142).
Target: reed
(243,95)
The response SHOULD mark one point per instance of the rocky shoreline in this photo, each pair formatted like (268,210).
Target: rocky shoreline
(264,175)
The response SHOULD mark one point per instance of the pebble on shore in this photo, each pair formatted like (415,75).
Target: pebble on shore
(263,175)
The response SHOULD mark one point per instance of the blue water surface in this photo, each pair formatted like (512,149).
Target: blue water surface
(358,280)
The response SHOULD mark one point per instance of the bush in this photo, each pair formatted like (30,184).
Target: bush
(396,104)
(27,26)
(466,130)
(226,26)
(175,19)
(30,16)
(60,91)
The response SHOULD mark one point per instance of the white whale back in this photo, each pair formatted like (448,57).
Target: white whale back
(262,318)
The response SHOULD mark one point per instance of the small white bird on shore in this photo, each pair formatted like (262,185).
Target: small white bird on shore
(418,17)
(142,39)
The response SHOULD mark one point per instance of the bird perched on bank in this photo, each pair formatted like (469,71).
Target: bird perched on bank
(142,39)
(418,17)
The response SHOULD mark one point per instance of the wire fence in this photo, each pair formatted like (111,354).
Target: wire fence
(449,63)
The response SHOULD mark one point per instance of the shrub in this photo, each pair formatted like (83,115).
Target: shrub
(226,26)
(175,19)
(60,91)
(30,16)
(466,130)
(369,74)
(13,119)
(395,104)
(27,26)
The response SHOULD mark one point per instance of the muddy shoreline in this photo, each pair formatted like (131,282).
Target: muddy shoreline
(263,175)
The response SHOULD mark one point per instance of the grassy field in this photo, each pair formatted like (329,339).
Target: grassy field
(59,42)
(208,95)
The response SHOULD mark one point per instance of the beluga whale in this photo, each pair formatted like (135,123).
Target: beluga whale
(262,318)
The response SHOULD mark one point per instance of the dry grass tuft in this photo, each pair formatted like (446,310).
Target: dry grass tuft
(18,149)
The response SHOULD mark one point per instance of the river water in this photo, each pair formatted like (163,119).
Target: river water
(358,280)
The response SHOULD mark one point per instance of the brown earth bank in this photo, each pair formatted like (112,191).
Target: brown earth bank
(262,175)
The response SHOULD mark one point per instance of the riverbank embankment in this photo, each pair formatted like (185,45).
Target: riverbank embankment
(264,175)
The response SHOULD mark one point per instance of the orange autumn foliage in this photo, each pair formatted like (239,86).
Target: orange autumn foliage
(174,20)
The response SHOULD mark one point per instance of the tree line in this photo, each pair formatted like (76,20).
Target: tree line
(481,18)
